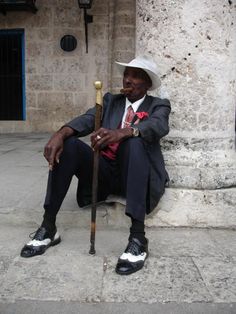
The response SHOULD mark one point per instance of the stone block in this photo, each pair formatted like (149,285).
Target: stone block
(61,3)
(43,18)
(83,283)
(100,32)
(125,19)
(224,241)
(39,34)
(181,242)
(100,8)
(125,31)
(81,103)
(52,65)
(69,83)
(39,82)
(182,146)
(31,66)
(76,66)
(31,100)
(67,16)
(195,208)
(37,49)
(57,104)
(174,279)
(219,275)
(128,6)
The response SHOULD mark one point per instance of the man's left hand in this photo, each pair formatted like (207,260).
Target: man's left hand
(103,137)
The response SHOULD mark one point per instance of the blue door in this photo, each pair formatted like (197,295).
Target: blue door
(12,75)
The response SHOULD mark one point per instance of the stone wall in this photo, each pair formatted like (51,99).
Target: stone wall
(59,85)
(194,44)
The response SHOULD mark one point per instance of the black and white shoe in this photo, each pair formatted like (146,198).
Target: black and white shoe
(41,241)
(133,258)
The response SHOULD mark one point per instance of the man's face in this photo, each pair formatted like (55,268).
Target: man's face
(138,80)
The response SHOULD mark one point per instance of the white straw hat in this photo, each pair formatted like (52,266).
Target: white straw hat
(145,63)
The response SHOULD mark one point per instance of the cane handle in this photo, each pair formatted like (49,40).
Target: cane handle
(98,86)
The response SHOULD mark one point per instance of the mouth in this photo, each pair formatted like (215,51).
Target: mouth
(126,90)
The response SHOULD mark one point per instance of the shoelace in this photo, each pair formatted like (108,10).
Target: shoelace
(37,234)
(133,248)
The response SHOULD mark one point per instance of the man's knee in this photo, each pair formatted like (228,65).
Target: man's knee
(74,146)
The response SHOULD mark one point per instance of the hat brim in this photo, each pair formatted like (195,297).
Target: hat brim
(156,82)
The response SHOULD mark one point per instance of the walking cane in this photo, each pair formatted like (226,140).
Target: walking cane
(98,115)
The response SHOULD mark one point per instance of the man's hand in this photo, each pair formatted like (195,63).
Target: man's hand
(103,137)
(54,147)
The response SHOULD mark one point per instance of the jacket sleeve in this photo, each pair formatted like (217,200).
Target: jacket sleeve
(157,124)
(84,124)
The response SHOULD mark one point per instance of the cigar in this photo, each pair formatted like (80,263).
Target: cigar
(126,90)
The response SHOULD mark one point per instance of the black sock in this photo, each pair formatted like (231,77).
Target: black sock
(49,222)
(137,230)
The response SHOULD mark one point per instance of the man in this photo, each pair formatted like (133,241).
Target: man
(131,163)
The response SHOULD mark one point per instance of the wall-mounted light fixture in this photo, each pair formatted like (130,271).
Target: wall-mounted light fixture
(86,4)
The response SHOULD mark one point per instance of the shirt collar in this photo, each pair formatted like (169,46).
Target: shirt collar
(135,104)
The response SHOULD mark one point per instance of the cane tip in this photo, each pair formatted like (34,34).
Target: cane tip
(98,84)
(92,252)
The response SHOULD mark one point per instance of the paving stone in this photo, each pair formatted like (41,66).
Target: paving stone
(225,241)
(182,242)
(162,279)
(49,277)
(219,275)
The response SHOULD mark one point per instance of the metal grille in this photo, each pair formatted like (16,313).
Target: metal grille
(11,78)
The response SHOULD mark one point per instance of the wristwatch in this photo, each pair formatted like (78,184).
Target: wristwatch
(135,132)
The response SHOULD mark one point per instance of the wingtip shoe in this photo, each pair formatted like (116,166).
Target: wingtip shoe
(133,258)
(40,242)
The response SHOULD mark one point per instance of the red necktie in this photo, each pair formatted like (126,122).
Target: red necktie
(111,149)
(129,117)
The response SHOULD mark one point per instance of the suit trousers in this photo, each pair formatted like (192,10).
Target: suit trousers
(128,176)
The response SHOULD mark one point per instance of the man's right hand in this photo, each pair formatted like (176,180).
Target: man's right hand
(54,147)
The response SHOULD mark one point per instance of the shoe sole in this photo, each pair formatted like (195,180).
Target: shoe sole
(53,243)
(132,271)
(129,272)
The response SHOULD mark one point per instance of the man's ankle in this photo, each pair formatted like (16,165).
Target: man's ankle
(49,223)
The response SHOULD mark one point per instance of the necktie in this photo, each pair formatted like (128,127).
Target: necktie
(129,117)
(110,150)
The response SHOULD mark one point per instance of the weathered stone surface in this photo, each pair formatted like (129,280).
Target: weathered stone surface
(66,17)
(39,82)
(52,65)
(36,50)
(163,242)
(43,18)
(219,274)
(83,283)
(173,278)
(180,207)
(196,58)
(67,83)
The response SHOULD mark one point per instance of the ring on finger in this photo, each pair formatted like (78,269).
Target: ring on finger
(98,137)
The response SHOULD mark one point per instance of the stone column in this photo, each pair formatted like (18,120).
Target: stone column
(122,38)
(194,44)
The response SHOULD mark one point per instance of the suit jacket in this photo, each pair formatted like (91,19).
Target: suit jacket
(152,129)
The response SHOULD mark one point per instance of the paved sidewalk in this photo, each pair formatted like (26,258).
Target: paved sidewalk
(189,270)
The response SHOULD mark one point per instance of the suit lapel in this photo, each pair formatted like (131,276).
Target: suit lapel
(117,113)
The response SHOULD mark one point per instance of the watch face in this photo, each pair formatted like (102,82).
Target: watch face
(135,132)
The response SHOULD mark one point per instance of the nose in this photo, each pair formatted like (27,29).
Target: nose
(127,79)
